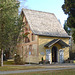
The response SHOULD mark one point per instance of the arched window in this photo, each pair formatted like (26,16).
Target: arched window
(27,40)
(30,49)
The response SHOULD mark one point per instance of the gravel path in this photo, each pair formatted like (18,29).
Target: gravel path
(33,70)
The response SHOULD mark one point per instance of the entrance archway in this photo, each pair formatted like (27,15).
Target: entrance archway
(54,54)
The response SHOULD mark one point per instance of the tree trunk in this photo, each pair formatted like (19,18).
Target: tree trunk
(1,57)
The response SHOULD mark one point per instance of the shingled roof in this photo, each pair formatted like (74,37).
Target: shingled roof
(44,23)
(60,42)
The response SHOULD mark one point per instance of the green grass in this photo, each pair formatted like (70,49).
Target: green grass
(19,67)
(13,68)
(9,63)
(60,72)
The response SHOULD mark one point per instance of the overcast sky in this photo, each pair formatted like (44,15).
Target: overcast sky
(52,6)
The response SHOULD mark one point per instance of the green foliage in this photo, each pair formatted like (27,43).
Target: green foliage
(42,58)
(69,8)
(67,29)
(18,60)
(25,35)
(10,23)
(73,34)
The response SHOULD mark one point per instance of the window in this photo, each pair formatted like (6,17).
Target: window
(26,29)
(33,38)
(27,40)
(30,49)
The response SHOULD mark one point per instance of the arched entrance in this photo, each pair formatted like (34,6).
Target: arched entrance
(54,54)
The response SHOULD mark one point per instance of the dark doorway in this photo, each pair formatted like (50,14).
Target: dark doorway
(54,54)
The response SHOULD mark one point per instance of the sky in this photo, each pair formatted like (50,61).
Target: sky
(52,6)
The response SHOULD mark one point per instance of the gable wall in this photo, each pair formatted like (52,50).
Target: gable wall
(23,48)
(44,40)
(37,46)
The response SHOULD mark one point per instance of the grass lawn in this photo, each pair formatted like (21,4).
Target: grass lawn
(60,72)
(8,62)
(16,67)
(13,68)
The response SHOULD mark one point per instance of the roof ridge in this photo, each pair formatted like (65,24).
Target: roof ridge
(38,11)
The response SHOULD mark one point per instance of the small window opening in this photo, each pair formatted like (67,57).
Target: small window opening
(33,38)
(30,49)
(26,29)
(27,40)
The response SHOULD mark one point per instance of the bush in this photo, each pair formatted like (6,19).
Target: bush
(72,56)
(67,61)
(44,62)
(18,60)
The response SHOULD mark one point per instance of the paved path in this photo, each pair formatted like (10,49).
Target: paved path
(33,70)
(48,67)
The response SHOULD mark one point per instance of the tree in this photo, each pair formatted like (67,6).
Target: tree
(69,8)
(67,29)
(10,24)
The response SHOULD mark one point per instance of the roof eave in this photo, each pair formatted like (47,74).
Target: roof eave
(52,36)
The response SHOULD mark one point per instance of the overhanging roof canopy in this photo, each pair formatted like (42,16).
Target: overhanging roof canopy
(60,42)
